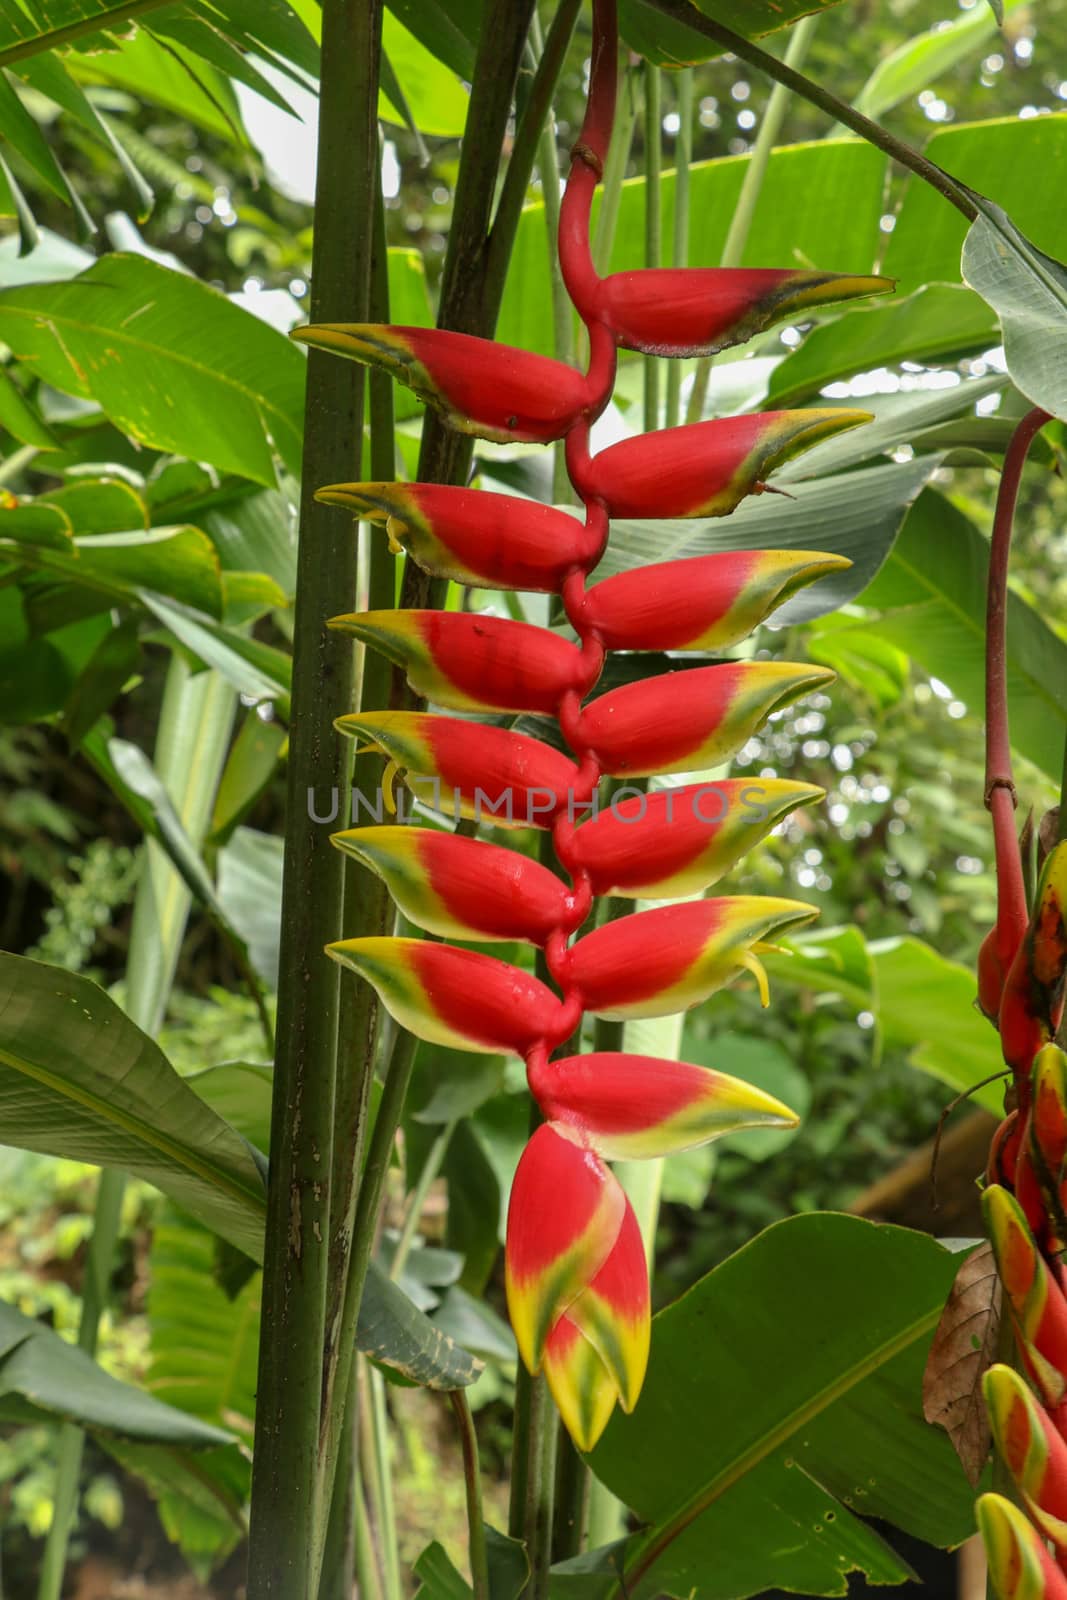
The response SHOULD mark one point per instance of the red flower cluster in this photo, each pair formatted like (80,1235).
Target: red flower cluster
(577,1279)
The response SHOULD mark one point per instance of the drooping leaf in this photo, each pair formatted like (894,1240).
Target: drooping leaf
(392,1330)
(1028,290)
(931,596)
(165,356)
(965,1344)
(44,1377)
(250,890)
(669,43)
(811,1345)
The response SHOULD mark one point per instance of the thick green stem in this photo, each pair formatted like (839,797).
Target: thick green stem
(339,1558)
(573,1480)
(807,89)
(196,719)
(286,1500)
(680,251)
(479,1557)
(653,221)
(752,183)
(383,1479)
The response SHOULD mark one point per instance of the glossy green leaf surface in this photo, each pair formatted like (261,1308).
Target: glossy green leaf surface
(1028,290)
(165,356)
(812,1341)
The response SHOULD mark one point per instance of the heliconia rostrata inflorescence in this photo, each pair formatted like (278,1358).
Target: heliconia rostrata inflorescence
(577,1279)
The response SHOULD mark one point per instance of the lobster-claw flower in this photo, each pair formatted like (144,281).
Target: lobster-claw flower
(1019,1564)
(677,842)
(577,1281)
(1032,1448)
(483,540)
(706,468)
(466,769)
(1032,1005)
(695,311)
(597,1351)
(472,662)
(1048,1113)
(461,888)
(656,962)
(454,997)
(481,387)
(1039,1310)
(687,721)
(700,603)
(628,1107)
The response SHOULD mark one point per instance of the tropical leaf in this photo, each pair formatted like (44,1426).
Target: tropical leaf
(671,44)
(165,356)
(924,59)
(841,1312)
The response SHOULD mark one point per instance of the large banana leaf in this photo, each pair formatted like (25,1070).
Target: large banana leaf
(79,1080)
(165,357)
(782,1406)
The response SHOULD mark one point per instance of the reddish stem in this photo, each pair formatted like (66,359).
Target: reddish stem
(999,783)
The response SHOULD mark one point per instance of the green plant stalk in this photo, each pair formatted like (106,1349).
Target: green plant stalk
(573,1487)
(417,1198)
(622,137)
(680,250)
(469,300)
(653,222)
(840,110)
(339,1556)
(367,906)
(383,1482)
(368,1578)
(196,720)
(741,221)
(479,1556)
(285,1536)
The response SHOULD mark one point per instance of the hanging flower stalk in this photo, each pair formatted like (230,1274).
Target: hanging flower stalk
(577,1279)
(1022,965)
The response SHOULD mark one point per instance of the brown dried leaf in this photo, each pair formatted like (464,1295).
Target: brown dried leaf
(965,1344)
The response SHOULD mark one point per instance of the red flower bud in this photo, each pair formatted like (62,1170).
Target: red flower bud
(705,469)
(694,311)
(488,541)
(481,387)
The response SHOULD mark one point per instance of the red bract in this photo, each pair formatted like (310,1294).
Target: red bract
(481,387)
(577,1281)
(694,311)
(704,470)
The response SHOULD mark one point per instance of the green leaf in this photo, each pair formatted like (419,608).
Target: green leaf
(257,670)
(919,62)
(393,1331)
(79,1080)
(931,596)
(876,667)
(250,891)
(857,515)
(165,357)
(111,665)
(766,1065)
(509,1565)
(18,416)
(252,762)
(240,1092)
(42,1376)
(436,98)
(819,207)
(939,323)
(671,44)
(1007,159)
(449,31)
(1028,290)
(439,1579)
(168,77)
(811,1347)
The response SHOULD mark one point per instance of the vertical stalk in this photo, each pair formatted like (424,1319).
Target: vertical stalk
(622,137)
(653,221)
(339,1557)
(680,251)
(799,40)
(196,719)
(417,1198)
(383,1476)
(471,1477)
(286,1500)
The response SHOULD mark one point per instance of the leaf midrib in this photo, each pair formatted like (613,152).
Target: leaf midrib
(773,1439)
(260,402)
(180,1156)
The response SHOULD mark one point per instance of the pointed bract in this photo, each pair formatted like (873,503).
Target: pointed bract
(707,468)
(564,1216)
(580,1384)
(687,721)
(1032,1449)
(666,960)
(701,603)
(472,662)
(1032,1005)
(627,1106)
(676,842)
(614,1312)
(1038,1307)
(489,541)
(694,311)
(454,997)
(1019,1565)
(466,769)
(461,888)
(484,388)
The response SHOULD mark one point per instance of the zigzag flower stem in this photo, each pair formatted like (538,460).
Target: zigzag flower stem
(577,1281)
